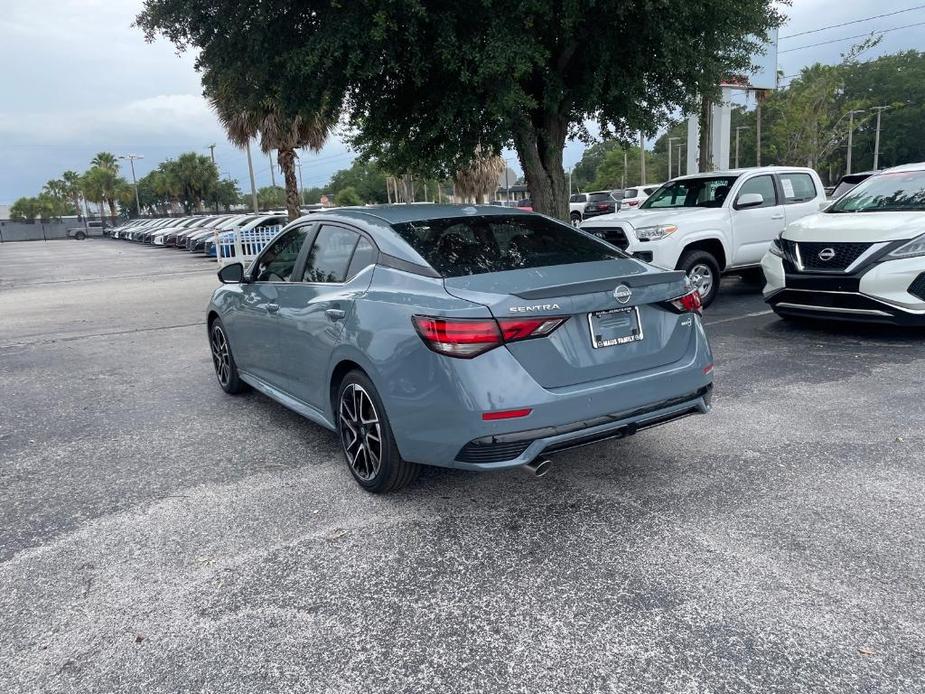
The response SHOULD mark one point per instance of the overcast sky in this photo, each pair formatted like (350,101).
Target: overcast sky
(76,78)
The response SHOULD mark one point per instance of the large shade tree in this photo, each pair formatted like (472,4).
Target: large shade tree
(424,84)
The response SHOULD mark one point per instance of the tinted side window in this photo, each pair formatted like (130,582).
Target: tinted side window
(276,263)
(797,187)
(764,186)
(330,255)
(365,254)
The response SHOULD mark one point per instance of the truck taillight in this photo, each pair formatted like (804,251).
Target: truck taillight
(468,337)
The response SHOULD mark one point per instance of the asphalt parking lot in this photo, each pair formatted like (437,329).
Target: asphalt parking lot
(157,535)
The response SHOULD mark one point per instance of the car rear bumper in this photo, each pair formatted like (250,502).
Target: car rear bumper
(495,452)
(457,393)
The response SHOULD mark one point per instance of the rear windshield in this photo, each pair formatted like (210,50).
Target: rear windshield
(631,192)
(597,197)
(901,191)
(493,243)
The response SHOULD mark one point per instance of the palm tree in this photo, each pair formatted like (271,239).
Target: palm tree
(476,181)
(106,160)
(276,130)
(72,187)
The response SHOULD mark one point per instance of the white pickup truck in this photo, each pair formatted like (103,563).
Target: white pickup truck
(714,223)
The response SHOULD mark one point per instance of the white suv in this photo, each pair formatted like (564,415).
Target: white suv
(714,223)
(862,259)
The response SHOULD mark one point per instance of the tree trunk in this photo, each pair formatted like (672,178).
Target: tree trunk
(539,149)
(112,210)
(705,160)
(286,159)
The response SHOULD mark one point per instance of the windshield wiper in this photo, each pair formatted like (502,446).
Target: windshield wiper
(893,209)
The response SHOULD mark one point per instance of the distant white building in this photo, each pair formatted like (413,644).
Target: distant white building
(4,211)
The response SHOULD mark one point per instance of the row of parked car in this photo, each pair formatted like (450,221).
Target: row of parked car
(199,234)
(584,206)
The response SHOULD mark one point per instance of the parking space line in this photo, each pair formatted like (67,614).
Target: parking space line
(747,315)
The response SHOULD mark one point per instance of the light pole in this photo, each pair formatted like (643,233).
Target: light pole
(250,170)
(879,110)
(851,137)
(670,140)
(738,128)
(642,159)
(131,160)
(679,159)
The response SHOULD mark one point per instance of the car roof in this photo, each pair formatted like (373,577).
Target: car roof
(416,212)
(917,166)
(739,172)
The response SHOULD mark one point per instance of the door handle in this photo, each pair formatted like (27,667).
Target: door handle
(335,314)
(272,308)
(777,216)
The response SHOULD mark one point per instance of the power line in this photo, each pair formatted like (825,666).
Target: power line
(853,21)
(848,38)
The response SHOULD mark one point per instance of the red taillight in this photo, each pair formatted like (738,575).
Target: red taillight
(631,203)
(469,337)
(689,303)
(506,414)
(602,205)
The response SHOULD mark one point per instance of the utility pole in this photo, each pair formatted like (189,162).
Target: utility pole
(642,159)
(850,138)
(758,98)
(879,110)
(679,159)
(131,160)
(670,140)
(250,169)
(301,185)
(211,149)
(738,128)
(623,178)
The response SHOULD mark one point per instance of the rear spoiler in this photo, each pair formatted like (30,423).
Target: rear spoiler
(602,285)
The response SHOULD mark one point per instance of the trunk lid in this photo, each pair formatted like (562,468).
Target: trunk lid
(580,291)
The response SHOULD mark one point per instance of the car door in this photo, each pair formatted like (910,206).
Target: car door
(799,195)
(313,311)
(253,328)
(754,227)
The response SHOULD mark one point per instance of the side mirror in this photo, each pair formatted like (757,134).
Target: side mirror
(231,274)
(749,200)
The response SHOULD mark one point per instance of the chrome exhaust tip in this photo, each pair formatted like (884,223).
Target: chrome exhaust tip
(538,467)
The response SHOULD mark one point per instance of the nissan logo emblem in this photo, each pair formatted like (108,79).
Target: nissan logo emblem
(826,254)
(622,294)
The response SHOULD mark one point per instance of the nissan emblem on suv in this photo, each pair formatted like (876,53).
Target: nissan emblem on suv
(826,254)
(622,294)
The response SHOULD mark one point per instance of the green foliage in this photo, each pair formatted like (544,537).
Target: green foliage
(470,76)
(44,207)
(225,194)
(312,196)
(271,198)
(347,197)
(365,177)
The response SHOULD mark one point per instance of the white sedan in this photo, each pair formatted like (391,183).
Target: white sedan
(862,259)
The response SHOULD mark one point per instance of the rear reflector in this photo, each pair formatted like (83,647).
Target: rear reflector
(506,414)
(708,369)
(469,337)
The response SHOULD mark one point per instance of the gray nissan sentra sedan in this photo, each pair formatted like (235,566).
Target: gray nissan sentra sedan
(473,337)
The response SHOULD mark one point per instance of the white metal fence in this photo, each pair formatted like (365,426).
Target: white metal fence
(243,246)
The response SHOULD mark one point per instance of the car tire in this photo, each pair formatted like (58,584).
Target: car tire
(226,370)
(704,272)
(576,218)
(80,236)
(366,437)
